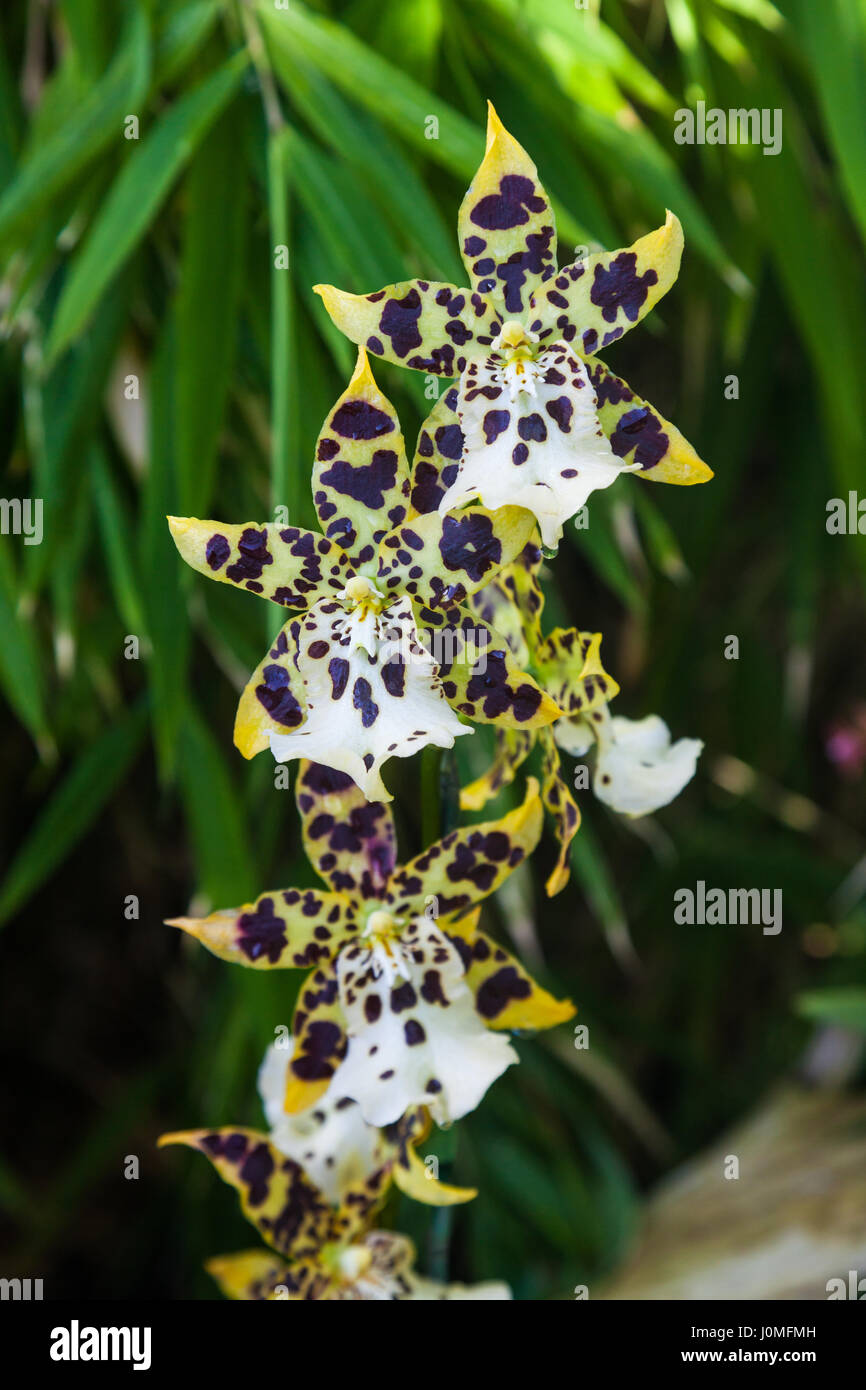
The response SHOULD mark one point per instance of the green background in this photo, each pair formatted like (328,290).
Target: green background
(155,258)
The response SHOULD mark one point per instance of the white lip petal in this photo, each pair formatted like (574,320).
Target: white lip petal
(540,448)
(372,693)
(639,769)
(331,1140)
(573,736)
(418,1041)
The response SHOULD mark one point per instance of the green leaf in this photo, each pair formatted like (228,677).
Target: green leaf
(91,127)
(595,878)
(844,1007)
(136,197)
(368,78)
(834,38)
(164,574)
(286,471)
(601,551)
(207,307)
(225,866)
(20,669)
(354,133)
(61,408)
(117,544)
(182,37)
(72,809)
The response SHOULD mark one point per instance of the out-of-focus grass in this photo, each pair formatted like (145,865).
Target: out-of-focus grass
(155,359)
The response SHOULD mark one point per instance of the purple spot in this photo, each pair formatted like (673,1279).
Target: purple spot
(217,552)
(510,207)
(495,421)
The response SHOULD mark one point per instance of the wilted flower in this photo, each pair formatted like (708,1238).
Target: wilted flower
(541,421)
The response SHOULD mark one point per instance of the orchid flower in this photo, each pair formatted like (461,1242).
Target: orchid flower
(637,767)
(541,421)
(408,999)
(314,1208)
(380,655)
(378,1266)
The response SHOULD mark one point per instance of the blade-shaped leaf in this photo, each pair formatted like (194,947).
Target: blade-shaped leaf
(136,197)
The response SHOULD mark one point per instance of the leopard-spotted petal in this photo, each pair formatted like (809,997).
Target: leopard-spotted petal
(372,693)
(276,1195)
(594,301)
(538,446)
(505,224)
(512,748)
(569,663)
(561,805)
(411,1174)
(281,563)
(439,559)
(361,475)
(468,864)
(293,928)
(250,1275)
(480,677)
(506,996)
(430,326)
(513,602)
(319,1033)
(349,840)
(639,434)
(337,1150)
(274,698)
(437,453)
(340,1152)
(415,1038)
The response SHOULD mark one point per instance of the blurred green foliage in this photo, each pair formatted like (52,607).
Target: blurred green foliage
(152,260)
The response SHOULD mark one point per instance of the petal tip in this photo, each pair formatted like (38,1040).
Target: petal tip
(187,924)
(494,125)
(362,376)
(176,1136)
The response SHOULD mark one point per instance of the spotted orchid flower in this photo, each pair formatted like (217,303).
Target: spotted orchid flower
(566,661)
(378,1266)
(408,999)
(541,420)
(380,656)
(637,767)
(321,1244)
